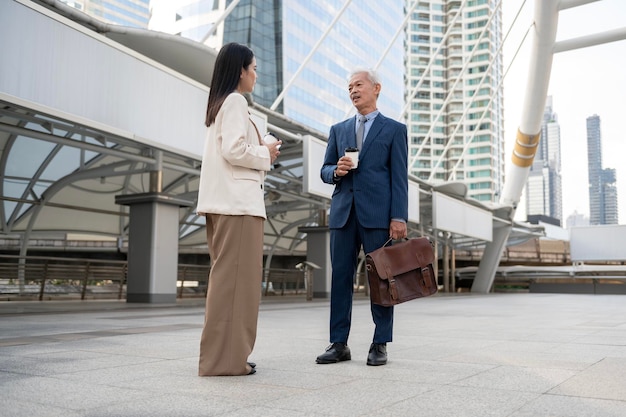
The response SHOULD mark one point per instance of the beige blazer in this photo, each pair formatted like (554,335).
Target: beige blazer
(233,163)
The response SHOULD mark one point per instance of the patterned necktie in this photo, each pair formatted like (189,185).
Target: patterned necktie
(359,132)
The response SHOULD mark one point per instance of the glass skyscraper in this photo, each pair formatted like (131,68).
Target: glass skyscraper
(455,101)
(258,24)
(594,169)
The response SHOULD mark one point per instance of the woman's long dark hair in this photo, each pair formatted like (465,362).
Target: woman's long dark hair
(232,58)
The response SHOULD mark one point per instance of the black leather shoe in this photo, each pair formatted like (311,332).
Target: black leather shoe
(377,355)
(252,371)
(251,364)
(337,352)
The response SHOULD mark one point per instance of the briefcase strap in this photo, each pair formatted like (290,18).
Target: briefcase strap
(426,276)
(393,290)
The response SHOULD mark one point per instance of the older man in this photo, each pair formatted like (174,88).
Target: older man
(369,205)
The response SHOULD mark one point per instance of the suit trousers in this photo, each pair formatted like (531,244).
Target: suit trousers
(234,294)
(345,245)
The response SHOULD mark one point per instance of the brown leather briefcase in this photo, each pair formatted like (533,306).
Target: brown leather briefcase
(401,272)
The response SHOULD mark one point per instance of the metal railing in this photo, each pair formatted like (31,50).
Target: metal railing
(46,278)
(41,276)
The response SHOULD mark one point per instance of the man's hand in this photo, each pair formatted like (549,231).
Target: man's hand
(343,166)
(397,230)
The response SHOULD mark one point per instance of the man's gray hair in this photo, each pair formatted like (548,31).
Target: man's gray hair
(371,74)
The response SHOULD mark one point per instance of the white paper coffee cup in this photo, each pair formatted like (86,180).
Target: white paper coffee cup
(269,138)
(353,153)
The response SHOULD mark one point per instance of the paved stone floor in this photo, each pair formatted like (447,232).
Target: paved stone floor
(513,355)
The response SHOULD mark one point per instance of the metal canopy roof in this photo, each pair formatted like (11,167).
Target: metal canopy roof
(61,177)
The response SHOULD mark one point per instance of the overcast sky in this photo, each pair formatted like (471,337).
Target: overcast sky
(583,82)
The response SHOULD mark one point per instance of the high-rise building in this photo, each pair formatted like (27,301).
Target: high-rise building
(543,188)
(304,49)
(594,169)
(602,182)
(133,13)
(455,98)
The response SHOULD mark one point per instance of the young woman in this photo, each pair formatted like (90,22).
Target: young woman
(231,198)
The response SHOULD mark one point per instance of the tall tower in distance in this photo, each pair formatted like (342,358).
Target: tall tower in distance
(594,169)
(455,98)
(603,207)
(544,194)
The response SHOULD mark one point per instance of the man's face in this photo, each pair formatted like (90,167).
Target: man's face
(363,92)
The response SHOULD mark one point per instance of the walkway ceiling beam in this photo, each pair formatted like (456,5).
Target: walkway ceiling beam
(568,4)
(93,148)
(590,40)
(73,143)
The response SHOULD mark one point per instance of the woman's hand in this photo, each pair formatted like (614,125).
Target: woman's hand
(273,148)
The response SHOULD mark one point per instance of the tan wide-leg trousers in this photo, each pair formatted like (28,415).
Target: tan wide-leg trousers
(234,294)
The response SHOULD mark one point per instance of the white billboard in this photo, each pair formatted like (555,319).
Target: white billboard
(598,243)
(414,202)
(313,151)
(456,216)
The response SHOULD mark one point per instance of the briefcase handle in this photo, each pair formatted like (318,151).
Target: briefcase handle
(390,239)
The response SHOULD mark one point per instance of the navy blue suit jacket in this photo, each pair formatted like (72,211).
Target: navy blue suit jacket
(379,186)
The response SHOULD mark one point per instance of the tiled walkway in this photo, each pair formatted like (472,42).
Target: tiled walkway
(461,355)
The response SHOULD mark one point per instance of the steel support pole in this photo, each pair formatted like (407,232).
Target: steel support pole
(540,66)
